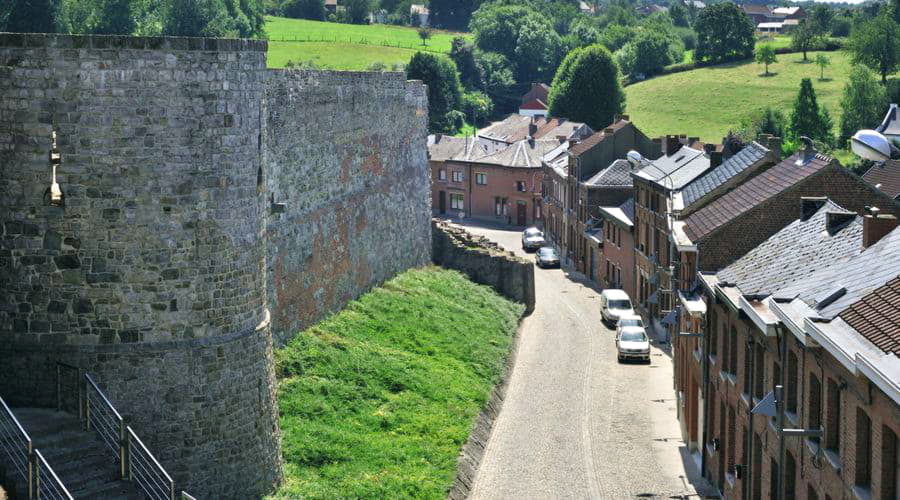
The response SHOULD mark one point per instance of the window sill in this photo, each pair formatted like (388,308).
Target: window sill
(862,493)
(812,446)
(697,355)
(833,459)
(710,451)
(722,376)
(732,379)
(746,399)
(712,359)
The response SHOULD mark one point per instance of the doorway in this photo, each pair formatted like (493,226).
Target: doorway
(442,202)
(521,212)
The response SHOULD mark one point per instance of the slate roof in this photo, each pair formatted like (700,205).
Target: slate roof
(515,128)
(752,154)
(795,252)
(596,138)
(859,276)
(525,153)
(886,177)
(444,147)
(534,104)
(628,208)
(676,170)
(753,8)
(624,213)
(752,193)
(877,316)
(617,174)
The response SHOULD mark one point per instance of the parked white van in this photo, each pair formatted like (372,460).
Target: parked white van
(614,304)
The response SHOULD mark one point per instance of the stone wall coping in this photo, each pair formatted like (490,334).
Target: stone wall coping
(61,41)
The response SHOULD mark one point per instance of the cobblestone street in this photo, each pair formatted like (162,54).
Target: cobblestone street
(575,423)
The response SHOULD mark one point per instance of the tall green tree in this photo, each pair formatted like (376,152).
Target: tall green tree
(214,18)
(724,33)
(876,44)
(452,14)
(117,18)
(647,55)
(821,16)
(822,61)
(537,51)
(444,90)
(679,14)
(586,87)
(766,55)
(807,118)
(863,102)
(32,16)
(805,37)
(357,10)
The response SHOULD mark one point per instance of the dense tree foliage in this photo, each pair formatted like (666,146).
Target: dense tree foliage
(807,118)
(586,87)
(305,9)
(646,55)
(863,102)
(724,32)
(452,14)
(463,54)
(520,34)
(806,37)
(31,16)
(439,74)
(679,14)
(876,44)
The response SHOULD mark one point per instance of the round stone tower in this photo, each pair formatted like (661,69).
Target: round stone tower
(142,258)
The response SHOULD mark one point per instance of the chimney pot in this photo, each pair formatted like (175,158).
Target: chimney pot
(876,226)
(532,129)
(715,157)
(810,205)
(709,149)
(609,131)
(672,144)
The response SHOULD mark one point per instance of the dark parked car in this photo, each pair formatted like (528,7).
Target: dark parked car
(547,257)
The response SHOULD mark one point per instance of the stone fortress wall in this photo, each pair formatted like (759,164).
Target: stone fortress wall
(210,205)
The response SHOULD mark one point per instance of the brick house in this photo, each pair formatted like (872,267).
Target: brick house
(572,204)
(497,174)
(886,177)
(617,266)
(780,315)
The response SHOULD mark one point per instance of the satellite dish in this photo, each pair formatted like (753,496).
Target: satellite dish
(634,158)
(871,145)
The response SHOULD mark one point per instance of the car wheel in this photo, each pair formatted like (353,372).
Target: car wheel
(619,358)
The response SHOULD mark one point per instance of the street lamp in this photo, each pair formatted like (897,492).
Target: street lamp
(871,145)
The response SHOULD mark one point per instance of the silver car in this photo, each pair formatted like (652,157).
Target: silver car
(547,257)
(532,239)
(631,340)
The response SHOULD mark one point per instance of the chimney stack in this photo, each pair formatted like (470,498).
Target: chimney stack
(656,147)
(810,205)
(876,226)
(672,144)
(715,157)
(835,220)
(774,145)
(807,153)
(532,129)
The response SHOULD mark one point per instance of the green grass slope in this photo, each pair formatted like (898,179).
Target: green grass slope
(707,102)
(347,46)
(376,401)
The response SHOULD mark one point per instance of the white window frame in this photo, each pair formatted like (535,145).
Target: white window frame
(481,178)
(457,175)
(460,198)
(442,174)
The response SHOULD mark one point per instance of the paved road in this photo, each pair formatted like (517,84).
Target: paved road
(575,422)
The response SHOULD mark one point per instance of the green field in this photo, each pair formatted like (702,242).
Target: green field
(376,401)
(707,102)
(346,46)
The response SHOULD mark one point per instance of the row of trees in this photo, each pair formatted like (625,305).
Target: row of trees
(215,18)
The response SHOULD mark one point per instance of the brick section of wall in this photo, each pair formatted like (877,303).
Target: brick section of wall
(346,153)
(157,274)
(751,228)
(484,262)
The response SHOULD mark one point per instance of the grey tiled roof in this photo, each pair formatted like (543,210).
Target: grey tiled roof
(676,170)
(524,153)
(795,252)
(628,208)
(859,276)
(746,158)
(617,174)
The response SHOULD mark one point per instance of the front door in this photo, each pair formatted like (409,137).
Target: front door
(442,202)
(521,209)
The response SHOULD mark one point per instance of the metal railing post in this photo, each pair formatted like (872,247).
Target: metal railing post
(31,474)
(122,448)
(58,389)
(171,489)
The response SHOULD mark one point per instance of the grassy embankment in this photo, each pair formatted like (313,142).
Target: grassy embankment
(377,400)
(707,102)
(346,46)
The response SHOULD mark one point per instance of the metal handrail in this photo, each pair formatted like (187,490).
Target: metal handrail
(9,434)
(105,426)
(48,483)
(164,487)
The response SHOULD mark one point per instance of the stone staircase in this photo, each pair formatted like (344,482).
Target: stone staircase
(85,465)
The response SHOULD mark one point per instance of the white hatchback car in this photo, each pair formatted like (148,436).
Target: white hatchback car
(631,339)
(615,304)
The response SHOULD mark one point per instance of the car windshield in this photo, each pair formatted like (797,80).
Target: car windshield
(619,304)
(630,322)
(634,336)
(533,232)
(548,252)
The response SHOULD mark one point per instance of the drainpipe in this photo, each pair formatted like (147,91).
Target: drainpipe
(704,379)
(779,402)
(746,484)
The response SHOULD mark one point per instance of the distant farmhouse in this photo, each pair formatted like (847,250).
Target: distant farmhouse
(773,20)
(535,102)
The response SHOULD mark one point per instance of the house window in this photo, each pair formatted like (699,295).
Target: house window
(713,332)
(457,202)
(889,463)
(759,372)
(811,493)
(457,176)
(481,179)
(442,175)
(520,186)
(500,206)
(833,418)
(792,383)
(863,449)
(773,478)
(814,415)
(712,416)
(790,477)
(732,445)
(748,348)
(538,208)
(732,354)
(756,487)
